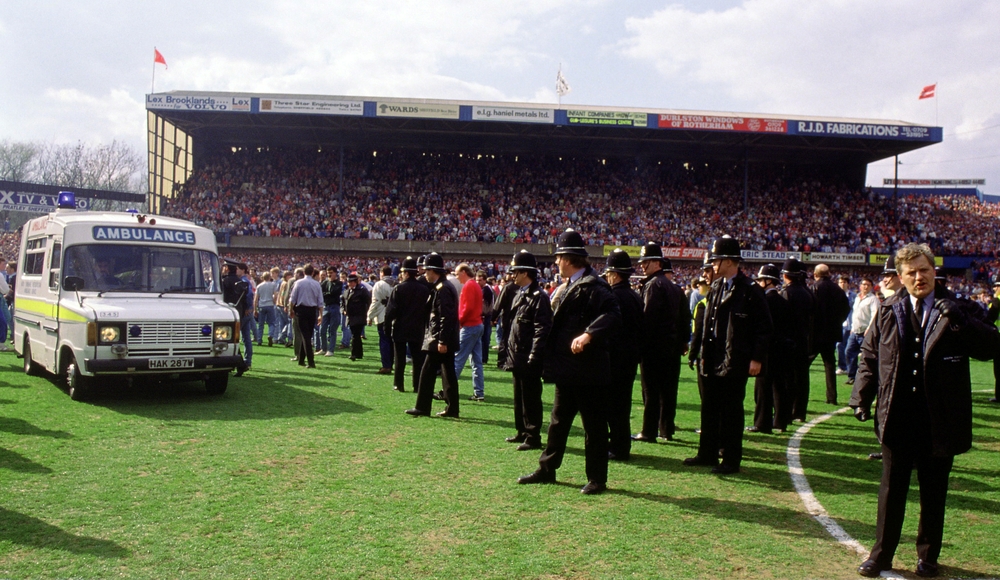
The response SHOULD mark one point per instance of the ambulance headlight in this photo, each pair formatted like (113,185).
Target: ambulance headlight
(109,333)
(223,333)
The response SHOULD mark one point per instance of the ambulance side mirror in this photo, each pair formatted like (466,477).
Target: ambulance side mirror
(72,283)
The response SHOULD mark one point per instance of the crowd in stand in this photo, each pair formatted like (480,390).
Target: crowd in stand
(451,197)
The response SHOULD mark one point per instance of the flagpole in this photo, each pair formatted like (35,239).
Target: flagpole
(558,92)
(152,86)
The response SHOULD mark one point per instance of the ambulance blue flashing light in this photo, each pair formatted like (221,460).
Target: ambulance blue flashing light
(67,200)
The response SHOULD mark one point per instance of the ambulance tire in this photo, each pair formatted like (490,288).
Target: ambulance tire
(31,368)
(78,386)
(216,383)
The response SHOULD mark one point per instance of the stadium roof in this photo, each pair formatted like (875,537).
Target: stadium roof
(275,120)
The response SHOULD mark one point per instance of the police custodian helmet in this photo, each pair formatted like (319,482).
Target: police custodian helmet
(619,261)
(653,251)
(793,267)
(726,248)
(768,271)
(524,260)
(409,264)
(435,262)
(571,242)
(890,266)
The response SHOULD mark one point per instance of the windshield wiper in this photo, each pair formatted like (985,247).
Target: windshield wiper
(181,289)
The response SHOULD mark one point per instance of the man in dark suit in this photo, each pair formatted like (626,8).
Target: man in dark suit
(735,338)
(440,341)
(585,319)
(666,327)
(915,362)
(406,318)
(831,311)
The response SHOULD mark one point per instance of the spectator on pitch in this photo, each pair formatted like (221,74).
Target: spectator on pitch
(831,310)
(488,297)
(332,290)
(265,310)
(306,301)
(470,319)
(376,315)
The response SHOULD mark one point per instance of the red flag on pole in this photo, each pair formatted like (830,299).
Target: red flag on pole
(928,92)
(158,58)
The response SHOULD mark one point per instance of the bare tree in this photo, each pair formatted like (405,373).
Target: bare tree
(112,167)
(16,160)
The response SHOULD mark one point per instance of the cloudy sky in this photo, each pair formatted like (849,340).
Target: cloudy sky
(78,71)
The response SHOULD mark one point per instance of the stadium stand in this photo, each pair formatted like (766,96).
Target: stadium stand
(455,197)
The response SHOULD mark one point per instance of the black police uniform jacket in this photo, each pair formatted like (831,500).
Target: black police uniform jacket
(802,304)
(529,329)
(442,324)
(586,306)
(356,304)
(736,330)
(783,326)
(625,350)
(406,312)
(503,312)
(948,344)
(831,311)
(666,319)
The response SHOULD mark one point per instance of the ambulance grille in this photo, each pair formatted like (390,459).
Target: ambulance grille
(168,333)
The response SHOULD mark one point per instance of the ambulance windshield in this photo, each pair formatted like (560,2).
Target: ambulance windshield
(128,268)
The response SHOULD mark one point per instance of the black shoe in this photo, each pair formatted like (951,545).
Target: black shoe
(417,413)
(926,569)
(870,569)
(698,460)
(438,396)
(241,370)
(833,402)
(400,389)
(612,456)
(516,439)
(477,398)
(994,400)
(528,446)
(752,429)
(875,456)
(311,366)
(538,476)
(270,341)
(723,469)
(667,437)
(849,382)
(593,488)
(641,437)
(447,414)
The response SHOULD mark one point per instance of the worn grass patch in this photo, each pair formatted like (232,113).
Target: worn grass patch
(297,474)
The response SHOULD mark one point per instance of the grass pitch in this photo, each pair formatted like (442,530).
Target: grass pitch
(298,473)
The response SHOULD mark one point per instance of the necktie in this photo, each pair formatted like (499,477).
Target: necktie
(920,312)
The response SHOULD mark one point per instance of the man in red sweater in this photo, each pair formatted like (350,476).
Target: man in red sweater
(470,320)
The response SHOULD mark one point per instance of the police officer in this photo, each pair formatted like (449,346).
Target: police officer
(802,304)
(772,410)
(236,292)
(406,318)
(993,317)
(529,328)
(666,327)
(440,341)
(734,345)
(585,318)
(624,355)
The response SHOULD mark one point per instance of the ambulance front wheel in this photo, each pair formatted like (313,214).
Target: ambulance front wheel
(79,386)
(216,383)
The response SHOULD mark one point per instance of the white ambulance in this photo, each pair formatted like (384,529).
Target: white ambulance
(118,293)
